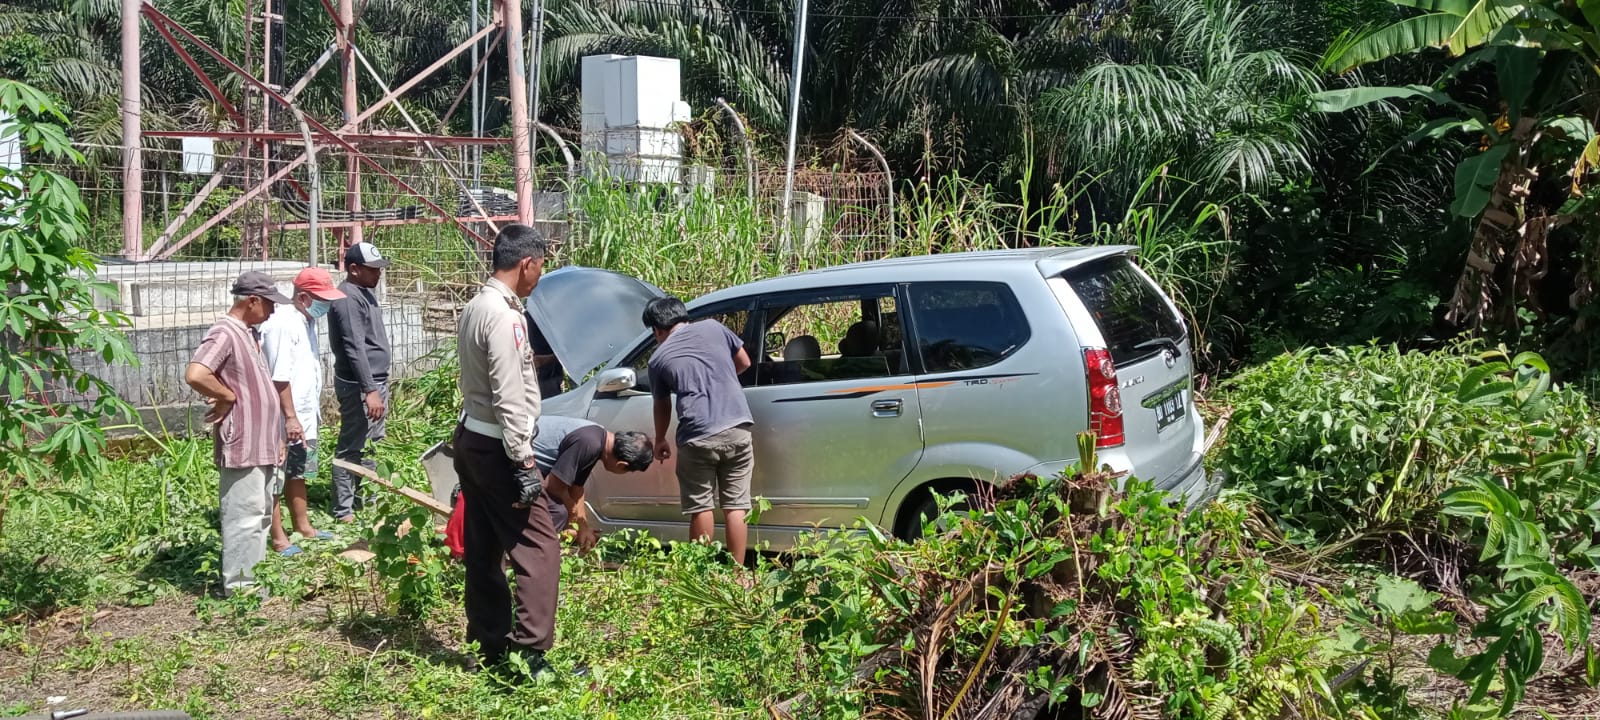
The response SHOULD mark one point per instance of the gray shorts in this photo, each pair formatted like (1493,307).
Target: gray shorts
(715,470)
(300,462)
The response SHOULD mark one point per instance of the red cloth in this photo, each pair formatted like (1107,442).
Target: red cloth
(454,530)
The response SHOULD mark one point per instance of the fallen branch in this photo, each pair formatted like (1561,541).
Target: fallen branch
(869,667)
(1217,430)
(420,498)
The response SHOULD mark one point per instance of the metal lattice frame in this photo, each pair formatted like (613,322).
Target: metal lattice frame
(256,137)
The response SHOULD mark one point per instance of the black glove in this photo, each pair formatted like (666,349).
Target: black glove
(529,485)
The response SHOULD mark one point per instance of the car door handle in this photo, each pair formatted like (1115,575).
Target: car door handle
(887,408)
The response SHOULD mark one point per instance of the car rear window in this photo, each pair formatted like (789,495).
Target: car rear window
(966,325)
(1130,311)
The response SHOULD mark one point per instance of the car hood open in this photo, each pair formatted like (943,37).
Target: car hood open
(588,314)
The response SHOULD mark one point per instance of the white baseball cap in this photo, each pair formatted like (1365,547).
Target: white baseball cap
(365,253)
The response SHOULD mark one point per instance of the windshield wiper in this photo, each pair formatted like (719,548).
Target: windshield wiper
(1164,342)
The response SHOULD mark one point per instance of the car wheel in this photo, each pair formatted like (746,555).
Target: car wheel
(922,509)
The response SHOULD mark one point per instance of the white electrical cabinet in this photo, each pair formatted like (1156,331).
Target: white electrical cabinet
(630,106)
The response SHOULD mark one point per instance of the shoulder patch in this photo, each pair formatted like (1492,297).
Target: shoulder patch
(521,335)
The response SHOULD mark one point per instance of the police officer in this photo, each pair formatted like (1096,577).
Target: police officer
(506,514)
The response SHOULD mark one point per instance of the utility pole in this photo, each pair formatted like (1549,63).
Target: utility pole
(535,51)
(132,138)
(352,108)
(511,15)
(475,153)
(794,120)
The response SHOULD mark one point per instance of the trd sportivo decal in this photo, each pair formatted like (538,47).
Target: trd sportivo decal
(861,392)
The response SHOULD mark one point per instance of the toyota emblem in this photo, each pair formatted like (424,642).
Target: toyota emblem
(1170,357)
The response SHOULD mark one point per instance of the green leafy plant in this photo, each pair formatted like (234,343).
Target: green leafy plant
(410,559)
(1527,594)
(1054,592)
(48,313)
(1346,444)
(1375,624)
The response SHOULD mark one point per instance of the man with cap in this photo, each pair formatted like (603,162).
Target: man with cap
(250,428)
(506,511)
(289,344)
(360,371)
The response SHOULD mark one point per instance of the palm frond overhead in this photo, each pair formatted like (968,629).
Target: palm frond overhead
(1228,111)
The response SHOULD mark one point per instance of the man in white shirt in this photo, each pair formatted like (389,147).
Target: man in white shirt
(289,343)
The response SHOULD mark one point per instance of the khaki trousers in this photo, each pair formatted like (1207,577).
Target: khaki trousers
(246,510)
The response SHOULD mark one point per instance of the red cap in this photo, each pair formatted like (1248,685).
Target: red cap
(318,282)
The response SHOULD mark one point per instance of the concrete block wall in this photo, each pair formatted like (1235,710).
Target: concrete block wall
(172,305)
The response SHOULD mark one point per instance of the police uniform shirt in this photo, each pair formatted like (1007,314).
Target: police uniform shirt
(499,384)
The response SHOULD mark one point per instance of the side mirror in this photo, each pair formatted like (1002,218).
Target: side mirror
(616,380)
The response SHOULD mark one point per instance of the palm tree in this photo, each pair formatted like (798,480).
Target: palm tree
(721,55)
(980,76)
(68,50)
(1212,90)
(905,69)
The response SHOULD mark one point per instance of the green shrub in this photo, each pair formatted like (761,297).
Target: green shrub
(1478,453)
(1055,592)
(1341,442)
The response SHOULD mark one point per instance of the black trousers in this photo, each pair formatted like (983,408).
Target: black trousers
(494,531)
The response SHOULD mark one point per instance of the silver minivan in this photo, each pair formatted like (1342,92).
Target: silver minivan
(875,384)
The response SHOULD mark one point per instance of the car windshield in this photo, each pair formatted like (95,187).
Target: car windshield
(1133,317)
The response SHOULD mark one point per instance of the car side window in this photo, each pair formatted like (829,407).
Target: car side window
(842,337)
(735,320)
(965,325)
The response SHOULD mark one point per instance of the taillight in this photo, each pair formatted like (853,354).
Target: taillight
(1105,398)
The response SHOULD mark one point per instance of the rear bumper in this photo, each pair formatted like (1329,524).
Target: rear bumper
(1192,484)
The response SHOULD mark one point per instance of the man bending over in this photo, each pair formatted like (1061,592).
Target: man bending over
(566,451)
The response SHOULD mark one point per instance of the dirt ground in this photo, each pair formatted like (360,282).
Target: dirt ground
(272,663)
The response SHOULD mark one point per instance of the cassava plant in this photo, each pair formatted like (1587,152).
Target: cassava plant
(1534,506)
(50,411)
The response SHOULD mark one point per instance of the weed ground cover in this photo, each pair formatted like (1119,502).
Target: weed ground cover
(107,599)
(645,652)
(1119,607)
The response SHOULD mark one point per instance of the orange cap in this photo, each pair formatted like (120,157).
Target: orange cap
(318,282)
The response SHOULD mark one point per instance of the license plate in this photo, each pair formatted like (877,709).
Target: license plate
(1170,410)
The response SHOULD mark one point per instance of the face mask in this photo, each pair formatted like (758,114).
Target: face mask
(318,308)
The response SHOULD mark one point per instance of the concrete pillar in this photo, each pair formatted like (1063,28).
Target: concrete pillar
(807,219)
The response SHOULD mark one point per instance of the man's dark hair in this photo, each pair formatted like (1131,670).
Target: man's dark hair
(634,450)
(516,243)
(664,313)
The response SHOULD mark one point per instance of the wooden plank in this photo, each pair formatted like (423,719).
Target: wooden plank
(419,498)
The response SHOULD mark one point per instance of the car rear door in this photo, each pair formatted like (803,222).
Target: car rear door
(1149,344)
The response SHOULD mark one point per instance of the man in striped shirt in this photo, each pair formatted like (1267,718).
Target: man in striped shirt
(250,428)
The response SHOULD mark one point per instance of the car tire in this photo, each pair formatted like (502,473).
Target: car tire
(923,507)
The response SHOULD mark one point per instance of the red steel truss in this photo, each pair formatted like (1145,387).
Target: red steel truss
(255,135)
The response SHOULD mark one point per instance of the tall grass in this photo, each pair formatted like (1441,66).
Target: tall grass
(691,244)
